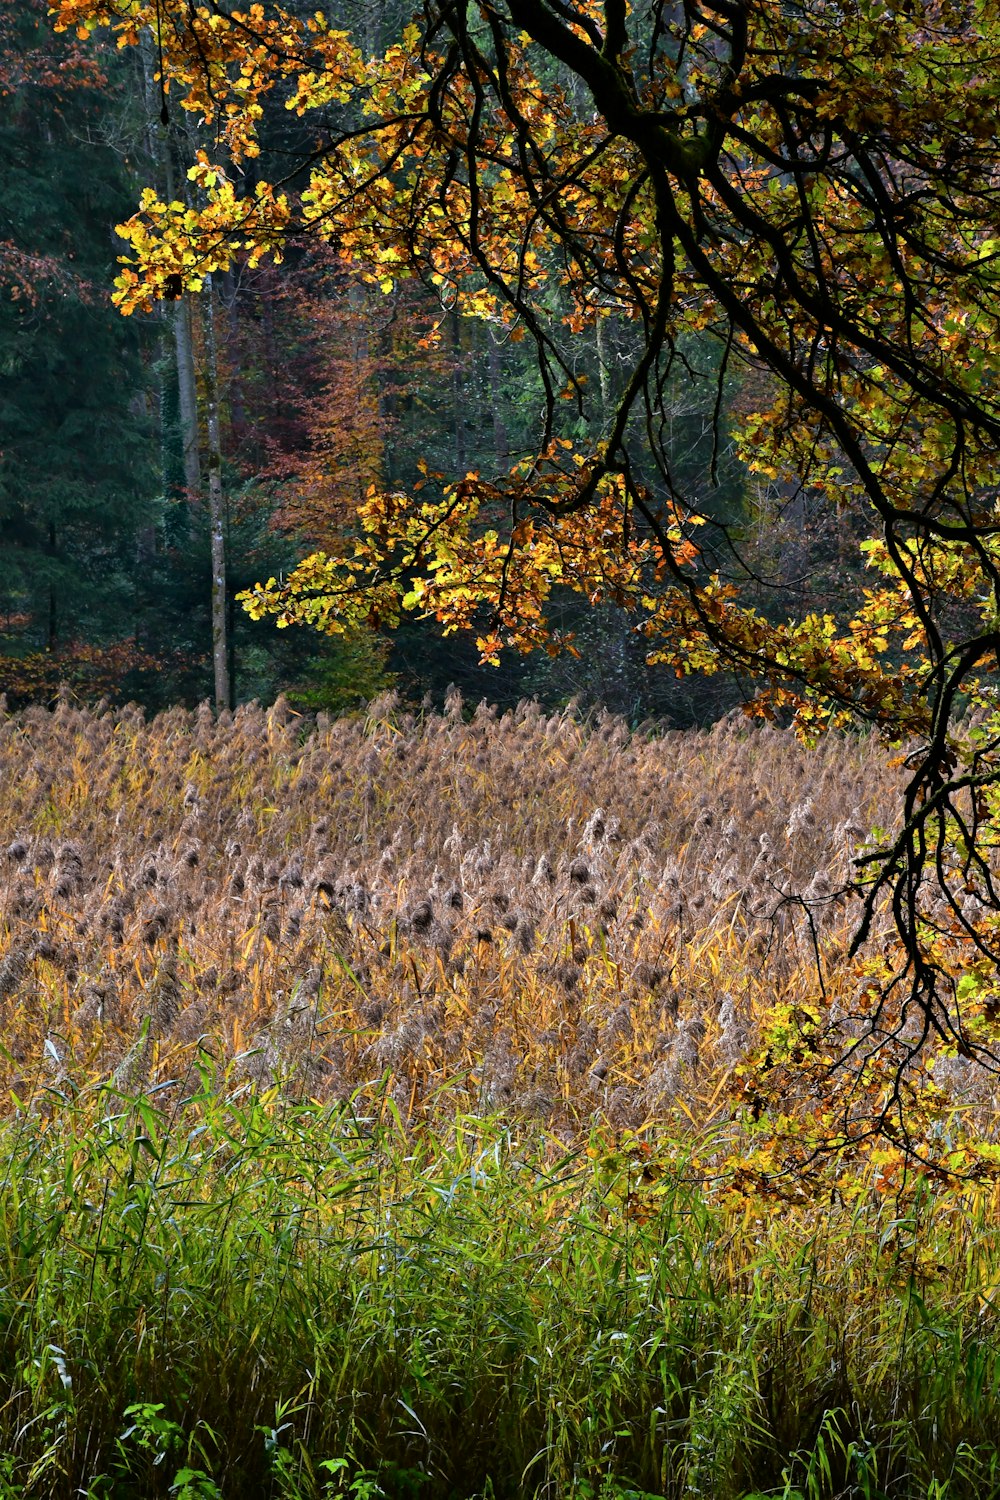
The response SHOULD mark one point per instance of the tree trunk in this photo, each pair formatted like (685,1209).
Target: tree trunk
(602,368)
(234,355)
(458,394)
(187,393)
(52,623)
(216,510)
(501,442)
(160,146)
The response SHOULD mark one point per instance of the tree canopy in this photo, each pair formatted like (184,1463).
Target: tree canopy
(798,201)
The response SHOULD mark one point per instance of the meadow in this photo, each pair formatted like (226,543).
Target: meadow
(368,1090)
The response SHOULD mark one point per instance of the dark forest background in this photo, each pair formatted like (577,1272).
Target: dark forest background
(325,385)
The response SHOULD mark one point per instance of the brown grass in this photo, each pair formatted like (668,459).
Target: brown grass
(558,919)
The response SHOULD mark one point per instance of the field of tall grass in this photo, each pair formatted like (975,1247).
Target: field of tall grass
(369,1092)
(527,914)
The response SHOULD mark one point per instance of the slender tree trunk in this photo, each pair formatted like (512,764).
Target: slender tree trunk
(160,146)
(52,624)
(234,358)
(216,510)
(187,394)
(181,316)
(602,368)
(501,442)
(275,385)
(458,394)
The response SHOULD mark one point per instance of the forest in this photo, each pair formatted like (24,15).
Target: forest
(499,876)
(321,384)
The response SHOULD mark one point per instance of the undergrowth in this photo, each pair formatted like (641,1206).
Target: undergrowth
(239,1295)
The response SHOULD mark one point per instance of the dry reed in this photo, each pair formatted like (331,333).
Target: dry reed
(526,912)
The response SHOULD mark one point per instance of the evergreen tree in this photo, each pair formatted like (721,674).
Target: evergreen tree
(76,478)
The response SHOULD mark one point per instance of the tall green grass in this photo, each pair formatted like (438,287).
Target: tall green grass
(204,1294)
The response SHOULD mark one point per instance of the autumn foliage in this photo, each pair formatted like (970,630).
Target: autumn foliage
(795,199)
